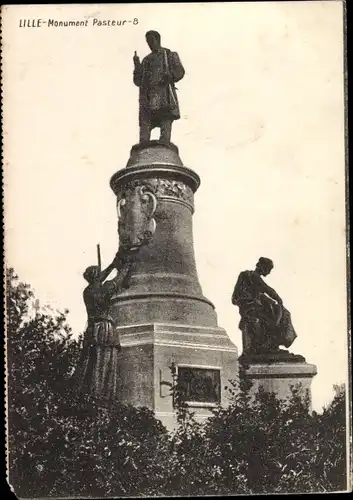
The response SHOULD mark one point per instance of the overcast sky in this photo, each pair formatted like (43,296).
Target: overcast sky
(262,123)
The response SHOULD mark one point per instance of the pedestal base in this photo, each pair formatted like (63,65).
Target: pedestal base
(278,377)
(147,354)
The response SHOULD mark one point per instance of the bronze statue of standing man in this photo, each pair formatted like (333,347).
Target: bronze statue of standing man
(156,76)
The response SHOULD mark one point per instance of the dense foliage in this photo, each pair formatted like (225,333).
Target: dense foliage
(63,445)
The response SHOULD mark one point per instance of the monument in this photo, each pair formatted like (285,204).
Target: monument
(159,319)
(266,325)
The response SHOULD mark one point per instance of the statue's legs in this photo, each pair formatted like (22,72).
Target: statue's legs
(166,130)
(145,129)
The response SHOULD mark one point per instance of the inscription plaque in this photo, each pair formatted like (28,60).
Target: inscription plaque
(201,385)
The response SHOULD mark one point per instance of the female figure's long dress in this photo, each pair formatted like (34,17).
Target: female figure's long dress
(98,370)
(265,325)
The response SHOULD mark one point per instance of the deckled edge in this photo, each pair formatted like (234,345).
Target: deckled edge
(349,447)
(3,260)
(5,386)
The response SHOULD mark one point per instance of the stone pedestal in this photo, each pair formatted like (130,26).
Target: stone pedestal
(164,285)
(163,316)
(148,352)
(278,373)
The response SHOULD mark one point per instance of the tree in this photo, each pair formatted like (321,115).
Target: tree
(59,442)
(261,444)
(41,357)
(64,444)
(330,463)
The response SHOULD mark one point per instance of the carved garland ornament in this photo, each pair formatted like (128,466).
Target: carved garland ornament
(164,188)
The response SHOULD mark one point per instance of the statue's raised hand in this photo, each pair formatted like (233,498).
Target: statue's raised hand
(136,59)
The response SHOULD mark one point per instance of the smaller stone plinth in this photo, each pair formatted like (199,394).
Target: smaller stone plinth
(278,373)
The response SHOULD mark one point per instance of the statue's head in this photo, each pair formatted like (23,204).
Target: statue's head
(153,39)
(264,266)
(91,273)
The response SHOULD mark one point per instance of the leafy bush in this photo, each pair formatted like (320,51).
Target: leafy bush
(60,443)
(63,445)
(261,444)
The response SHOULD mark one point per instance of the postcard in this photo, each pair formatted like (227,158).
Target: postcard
(175,229)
